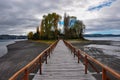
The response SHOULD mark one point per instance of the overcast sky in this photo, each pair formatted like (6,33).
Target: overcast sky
(22,16)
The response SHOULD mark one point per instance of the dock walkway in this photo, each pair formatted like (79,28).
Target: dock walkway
(62,66)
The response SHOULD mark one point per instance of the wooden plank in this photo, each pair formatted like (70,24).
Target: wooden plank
(63,66)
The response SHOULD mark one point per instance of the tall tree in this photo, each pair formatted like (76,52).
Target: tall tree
(36,36)
(42,28)
(50,24)
(79,28)
(56,19)
(66,25)
(30,35)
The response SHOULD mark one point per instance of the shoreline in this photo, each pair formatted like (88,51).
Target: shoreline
(19,54)
(107,59)
(5,43)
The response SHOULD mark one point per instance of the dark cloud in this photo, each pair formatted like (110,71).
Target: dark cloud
(22,16)
(18,14)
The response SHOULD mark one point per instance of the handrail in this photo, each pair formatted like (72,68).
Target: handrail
(86,59)
(37,61)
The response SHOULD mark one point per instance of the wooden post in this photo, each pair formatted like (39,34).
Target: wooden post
(51,50)
(49,53)
(40,63)
(46,57)
(74,52)
(26,76)
(78,57)
(104,76)
(71,50)
(86,64)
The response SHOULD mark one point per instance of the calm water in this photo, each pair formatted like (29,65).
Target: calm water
(3,44)
(113,49)
(104,38)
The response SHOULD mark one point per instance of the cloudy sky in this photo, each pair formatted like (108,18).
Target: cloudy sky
(22,16)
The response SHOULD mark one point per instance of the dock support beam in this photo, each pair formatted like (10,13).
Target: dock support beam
(86,64)
(40,63)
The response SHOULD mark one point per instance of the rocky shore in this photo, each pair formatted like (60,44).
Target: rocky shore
(19,54)
(109,59)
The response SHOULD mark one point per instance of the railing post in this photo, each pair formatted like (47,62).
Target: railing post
(40,63)
(86,64)
(104,76)
(49,53)
(26,76)
(78,57)
(71,49)
(51,50)
(46,57)
(74,52)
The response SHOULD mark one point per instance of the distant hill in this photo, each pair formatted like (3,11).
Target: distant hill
(13,37)
(101,35)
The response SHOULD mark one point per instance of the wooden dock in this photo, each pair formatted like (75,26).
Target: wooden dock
(63,66)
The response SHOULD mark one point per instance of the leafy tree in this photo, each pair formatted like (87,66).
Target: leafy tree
(56,19)
(79,28)
(66,25)
(30,35)
(49,25)
(36,35)
(42,28)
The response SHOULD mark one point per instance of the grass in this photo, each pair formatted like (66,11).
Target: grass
(69,40)
(44,41)
(78,40)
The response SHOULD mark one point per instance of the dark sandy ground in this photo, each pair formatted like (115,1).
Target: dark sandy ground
(110,60)
(19,54)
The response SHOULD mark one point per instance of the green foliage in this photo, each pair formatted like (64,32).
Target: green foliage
(48,29)
(49,26)
(30,35)
(75,31)
(36,36)
(79,28)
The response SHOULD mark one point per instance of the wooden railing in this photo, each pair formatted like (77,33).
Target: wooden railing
(87,59)
(23,74)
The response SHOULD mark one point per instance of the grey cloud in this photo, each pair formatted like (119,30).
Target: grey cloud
(20,14)
(102,24)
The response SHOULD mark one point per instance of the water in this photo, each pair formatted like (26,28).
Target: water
(3,45)
(113,49)
(104,38)
(110,54)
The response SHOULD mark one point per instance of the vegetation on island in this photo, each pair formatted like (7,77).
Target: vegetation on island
(49,29)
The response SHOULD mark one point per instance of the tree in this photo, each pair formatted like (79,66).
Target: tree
(79,28)
(36,35)
(49,25)
(42,28)
(56,19)
(66,25)
(30,35)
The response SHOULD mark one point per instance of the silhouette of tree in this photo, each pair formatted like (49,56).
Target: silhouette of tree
(36,35)
(79,28)
(30,35)
(66,24)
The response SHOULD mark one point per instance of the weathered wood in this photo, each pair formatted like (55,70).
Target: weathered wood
(104,76)
(62,66)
